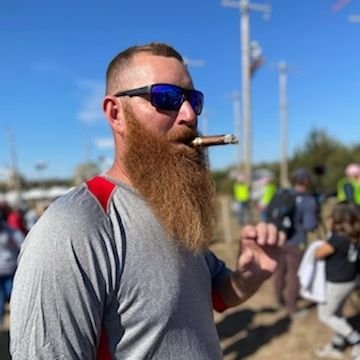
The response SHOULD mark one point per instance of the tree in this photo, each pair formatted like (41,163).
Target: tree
(321,149)
(85,171)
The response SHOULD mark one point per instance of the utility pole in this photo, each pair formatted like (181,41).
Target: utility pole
(283,102)
(205,122)
(245,7)
(236,99)
(14,168)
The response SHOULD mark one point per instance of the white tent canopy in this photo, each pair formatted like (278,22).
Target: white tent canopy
(13,197)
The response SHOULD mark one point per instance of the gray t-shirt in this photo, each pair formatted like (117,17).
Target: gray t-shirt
(87,273)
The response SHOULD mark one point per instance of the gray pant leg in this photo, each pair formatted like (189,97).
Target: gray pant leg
(330,312)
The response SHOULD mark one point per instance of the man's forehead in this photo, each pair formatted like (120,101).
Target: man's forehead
(151,69)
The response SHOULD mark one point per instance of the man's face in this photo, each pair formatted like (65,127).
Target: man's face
(147,70)
(153,154)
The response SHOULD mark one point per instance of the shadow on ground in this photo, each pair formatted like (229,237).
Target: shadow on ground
(252,337)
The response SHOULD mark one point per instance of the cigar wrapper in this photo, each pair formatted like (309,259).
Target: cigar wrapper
(215,140)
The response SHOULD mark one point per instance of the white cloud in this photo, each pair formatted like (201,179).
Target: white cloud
(90,108)
(194,63)
(104,143)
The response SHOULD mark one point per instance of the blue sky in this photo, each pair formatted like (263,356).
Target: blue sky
(54,55)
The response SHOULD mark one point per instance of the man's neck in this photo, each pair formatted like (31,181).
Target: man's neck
(117,173)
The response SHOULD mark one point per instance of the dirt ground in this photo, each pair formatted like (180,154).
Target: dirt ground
(256,330)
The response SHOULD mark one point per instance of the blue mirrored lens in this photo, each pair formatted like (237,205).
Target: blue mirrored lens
(166,97)
(196,99)
(170,97)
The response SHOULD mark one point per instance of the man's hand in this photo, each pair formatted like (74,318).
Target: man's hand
(260,251)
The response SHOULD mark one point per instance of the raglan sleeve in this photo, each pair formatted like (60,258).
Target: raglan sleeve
(65,276)
(218,272)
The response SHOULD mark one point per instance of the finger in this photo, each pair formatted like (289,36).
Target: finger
(282,238)
(262,233)
(248,232)
(272,235)
(245,258)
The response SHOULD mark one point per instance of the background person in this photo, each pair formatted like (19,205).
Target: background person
(119,267)
(16,220)
(286,282)
(348,188)
(267,193)
(341,254)
(242,197)
(10,242)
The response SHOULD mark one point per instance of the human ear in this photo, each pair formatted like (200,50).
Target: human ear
(113,113)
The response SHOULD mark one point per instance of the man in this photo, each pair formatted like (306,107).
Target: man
(268,191)
(348,188)
(118,268)
(286,280)
(242,199)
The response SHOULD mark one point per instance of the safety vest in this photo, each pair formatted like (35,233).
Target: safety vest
(341,196)
(268,194)
(241,192)
(357,192)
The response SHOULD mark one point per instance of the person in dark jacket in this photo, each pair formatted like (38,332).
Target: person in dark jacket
(286,282)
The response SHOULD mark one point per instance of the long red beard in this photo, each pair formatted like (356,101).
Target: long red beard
(175,180)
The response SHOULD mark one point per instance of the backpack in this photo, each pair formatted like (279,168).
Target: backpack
(281,211)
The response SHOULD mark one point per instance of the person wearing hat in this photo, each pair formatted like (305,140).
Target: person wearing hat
(286,282)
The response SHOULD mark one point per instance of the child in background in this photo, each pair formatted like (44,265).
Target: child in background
(341,255)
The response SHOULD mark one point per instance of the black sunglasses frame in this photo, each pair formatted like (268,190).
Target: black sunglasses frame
(147,90)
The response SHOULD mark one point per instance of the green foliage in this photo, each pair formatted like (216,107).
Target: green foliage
(322,150)
(319,149)
(223,181)
(85,171)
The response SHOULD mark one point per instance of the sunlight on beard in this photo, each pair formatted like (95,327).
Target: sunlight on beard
(175,181)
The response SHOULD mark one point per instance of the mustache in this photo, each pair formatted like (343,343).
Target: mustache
(184,135)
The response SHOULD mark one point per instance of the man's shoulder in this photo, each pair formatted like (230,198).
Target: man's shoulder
(73,221)
(77,210)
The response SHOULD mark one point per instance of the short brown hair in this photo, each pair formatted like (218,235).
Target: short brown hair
(123,59)
(345,220)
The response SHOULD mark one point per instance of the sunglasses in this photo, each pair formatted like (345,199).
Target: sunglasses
(168,96)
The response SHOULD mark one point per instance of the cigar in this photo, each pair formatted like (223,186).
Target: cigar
(215,140)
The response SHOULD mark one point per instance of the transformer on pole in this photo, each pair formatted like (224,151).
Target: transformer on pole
(245,7)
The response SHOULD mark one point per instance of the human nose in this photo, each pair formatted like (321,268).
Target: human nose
(187,114)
